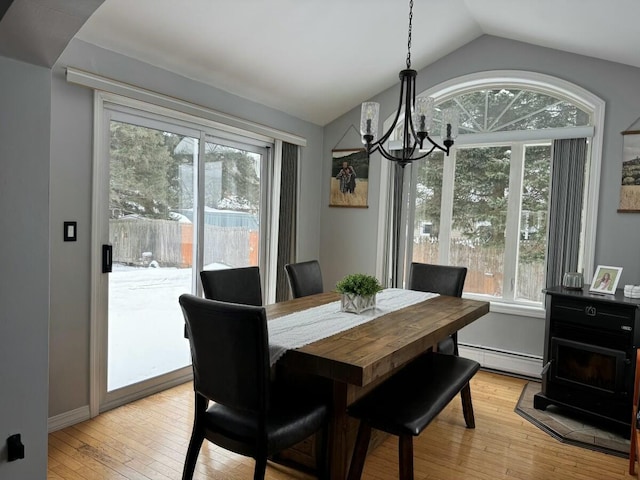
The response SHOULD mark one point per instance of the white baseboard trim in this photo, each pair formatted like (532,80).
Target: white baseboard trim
(494,359)
(504,361)
(66,419)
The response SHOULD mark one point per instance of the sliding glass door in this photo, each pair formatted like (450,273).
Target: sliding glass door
(176,199)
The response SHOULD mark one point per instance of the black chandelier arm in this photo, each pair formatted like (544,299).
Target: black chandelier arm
(408,120)
(407,79)
(445,149)
(407,154)
(426,154)
(388,133)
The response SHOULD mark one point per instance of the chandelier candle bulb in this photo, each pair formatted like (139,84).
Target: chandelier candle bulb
(449,125)
(423,116)
(369,121)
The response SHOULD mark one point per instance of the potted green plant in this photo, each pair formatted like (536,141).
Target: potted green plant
(358,292)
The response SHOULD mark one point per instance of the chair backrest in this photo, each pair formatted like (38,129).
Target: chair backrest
(235,285)
(305,278)
(442,279)
(229,352)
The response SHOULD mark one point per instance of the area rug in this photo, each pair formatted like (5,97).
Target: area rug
(569,428)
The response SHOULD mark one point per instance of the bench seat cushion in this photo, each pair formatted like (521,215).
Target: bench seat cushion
(408,401)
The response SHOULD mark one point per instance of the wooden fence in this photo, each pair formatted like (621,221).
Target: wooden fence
(485,266)
(170,243)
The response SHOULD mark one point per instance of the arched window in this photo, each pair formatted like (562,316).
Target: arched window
(486,206)
(504,108)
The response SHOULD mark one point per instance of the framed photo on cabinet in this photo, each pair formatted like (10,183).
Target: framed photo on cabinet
(606,279)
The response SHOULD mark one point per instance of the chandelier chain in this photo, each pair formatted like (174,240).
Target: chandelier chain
(409,40)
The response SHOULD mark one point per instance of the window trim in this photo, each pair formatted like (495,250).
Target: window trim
(543,83)
(223,121)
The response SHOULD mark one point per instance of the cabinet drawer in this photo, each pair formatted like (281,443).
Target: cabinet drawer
(600,314)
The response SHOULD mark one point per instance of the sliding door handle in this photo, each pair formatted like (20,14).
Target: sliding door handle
(107,258)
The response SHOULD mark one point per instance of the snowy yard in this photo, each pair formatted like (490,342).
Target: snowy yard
(146,327)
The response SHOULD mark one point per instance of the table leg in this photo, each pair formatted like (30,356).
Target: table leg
(339,449)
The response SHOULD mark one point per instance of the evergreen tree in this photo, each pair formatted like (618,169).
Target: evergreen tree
(481,193)
(139,164)
(240,181)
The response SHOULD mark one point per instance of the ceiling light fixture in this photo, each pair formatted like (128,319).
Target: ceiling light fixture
(417,124)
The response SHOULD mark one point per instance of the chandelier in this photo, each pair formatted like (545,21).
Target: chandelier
(417,124)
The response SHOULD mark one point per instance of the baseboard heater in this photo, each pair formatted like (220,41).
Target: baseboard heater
(503,360)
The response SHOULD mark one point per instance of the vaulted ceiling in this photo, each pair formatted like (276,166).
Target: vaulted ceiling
(38,31)
(316,59)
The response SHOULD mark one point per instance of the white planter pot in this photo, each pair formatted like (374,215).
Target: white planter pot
(356,303)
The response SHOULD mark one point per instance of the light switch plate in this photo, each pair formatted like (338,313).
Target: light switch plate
(70,231)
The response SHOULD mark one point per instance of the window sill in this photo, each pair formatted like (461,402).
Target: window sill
(519,309)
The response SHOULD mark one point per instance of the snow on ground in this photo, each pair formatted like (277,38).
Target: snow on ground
(146,326)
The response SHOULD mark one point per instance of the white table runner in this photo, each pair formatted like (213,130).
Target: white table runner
(301,328)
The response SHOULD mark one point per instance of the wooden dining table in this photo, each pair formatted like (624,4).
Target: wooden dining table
(358,359)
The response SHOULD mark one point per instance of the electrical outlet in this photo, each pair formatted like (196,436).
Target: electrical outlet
(15,448)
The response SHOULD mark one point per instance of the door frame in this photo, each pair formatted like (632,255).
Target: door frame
(99,399)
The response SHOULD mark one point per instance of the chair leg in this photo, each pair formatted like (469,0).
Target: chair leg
(633,451)
(467,406)
(405,457)
(197,437)
(322,454)
(455,344)
(360,451)
(632,455)
(261,468)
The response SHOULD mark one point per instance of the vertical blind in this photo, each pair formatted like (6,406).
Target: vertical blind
(287,223)
(565,212)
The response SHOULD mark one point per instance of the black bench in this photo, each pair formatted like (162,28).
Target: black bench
(406,403)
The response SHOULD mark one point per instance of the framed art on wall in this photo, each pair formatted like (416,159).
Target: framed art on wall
(349,178)
(630,188)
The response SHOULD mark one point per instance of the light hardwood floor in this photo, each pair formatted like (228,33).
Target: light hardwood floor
(148,440)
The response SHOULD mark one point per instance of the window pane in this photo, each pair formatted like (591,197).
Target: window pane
(533,223)
(152,252)
(232,207)
(428,201)
(508,109)
(480,215)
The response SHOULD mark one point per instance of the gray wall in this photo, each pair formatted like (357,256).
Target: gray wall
(615,245)
(71,167)
(24,263)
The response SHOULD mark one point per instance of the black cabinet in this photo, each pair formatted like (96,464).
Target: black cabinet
(589,353)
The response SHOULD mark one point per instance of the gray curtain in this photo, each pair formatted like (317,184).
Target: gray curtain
(565,213)
(287,224)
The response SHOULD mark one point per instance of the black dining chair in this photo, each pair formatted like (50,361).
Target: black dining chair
(250,415)
(234,285)
(444,280)
(305,278)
